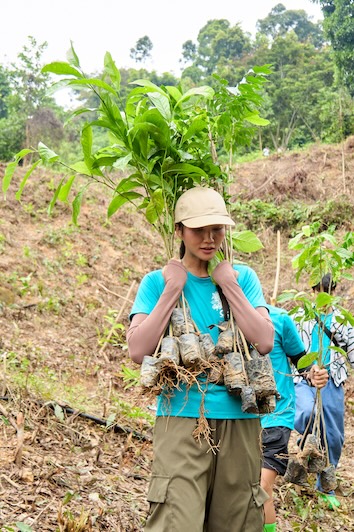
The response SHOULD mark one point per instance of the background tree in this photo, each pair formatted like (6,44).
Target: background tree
(218,43)
(25,104)
(142,50)
(339,28)
(281,20)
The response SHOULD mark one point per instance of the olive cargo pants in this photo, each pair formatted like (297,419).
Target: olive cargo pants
(193,489)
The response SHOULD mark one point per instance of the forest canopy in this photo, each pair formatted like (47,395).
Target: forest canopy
(308,97)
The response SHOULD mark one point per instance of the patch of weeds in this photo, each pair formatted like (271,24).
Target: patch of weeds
(2,243)
(129,411)
(81,260)
(52,304)
(291,215)
(308,510)
(56,237)
(113,332)
(131,377)
(160,259)
(125,277)
(29,208)
(52,266)
(27,252)
(81,279)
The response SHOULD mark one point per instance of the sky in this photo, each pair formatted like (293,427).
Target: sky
(97,26)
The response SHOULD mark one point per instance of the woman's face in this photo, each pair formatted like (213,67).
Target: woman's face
(202,242)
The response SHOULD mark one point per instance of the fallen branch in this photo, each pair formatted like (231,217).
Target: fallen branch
(115,293)
(115,427)
(103,422)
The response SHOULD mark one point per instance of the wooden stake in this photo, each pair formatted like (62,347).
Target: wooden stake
(277,272)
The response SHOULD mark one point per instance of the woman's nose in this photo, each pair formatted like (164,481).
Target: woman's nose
(208,236)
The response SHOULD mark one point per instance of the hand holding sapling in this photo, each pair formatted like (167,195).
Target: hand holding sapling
(224,273)
(175,272)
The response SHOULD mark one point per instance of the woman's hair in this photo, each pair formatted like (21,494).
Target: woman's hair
(326,284)
(182,247)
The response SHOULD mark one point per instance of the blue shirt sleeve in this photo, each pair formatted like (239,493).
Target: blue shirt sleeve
(149,292)
(292,343)
(250,284)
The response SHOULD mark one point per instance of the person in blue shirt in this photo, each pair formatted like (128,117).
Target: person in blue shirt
(277,426)
(192,487)
(333,333)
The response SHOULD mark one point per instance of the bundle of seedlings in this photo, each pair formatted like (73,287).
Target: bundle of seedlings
(313,456)
(235,376)
(181,355)
(261,377)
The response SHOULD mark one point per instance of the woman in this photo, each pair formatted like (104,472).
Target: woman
(192,488)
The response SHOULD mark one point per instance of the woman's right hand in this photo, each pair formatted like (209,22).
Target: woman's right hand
(318,376)
(175,272)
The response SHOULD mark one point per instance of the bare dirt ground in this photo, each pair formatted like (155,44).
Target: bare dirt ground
(75,438)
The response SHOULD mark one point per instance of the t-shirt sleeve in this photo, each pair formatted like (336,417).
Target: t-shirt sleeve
(292,343)
(149,292)
(251,286)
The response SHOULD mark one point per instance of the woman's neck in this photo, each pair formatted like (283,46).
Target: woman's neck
(199,268)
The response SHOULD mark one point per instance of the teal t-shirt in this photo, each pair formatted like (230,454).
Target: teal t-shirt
(315,342)
(287,343)
(206,309)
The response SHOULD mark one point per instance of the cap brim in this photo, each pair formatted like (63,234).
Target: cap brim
(203,221)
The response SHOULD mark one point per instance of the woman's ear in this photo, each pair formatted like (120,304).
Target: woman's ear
(179,230)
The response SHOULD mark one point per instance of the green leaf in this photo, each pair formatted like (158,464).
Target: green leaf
(23,527)
(21,154)
(110,420)
(81,168)
(47,155)
(112,71)
(205,91)
(86,142)
(323,300)
(94,82)
(162,104)
(307,360)
(122,162)
(119,200)
(63,69)
(126,185)
(151,212)
(59,413)
(307,230)
(257,120)
(65,189)
(212,264)
(246,241)
(9,172)
(76,204)
(24,180)
(54,198)
(198,124)
(146,84)
(174,92)
(185,168)
(72,56)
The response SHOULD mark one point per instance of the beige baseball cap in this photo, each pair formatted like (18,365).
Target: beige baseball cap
(201,206)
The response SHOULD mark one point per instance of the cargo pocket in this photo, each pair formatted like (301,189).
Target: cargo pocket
(259,495)
(157,492)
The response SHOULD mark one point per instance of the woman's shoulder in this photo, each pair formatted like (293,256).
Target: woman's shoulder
(245,271)
(153,276)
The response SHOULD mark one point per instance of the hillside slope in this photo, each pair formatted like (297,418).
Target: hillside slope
(65,294)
